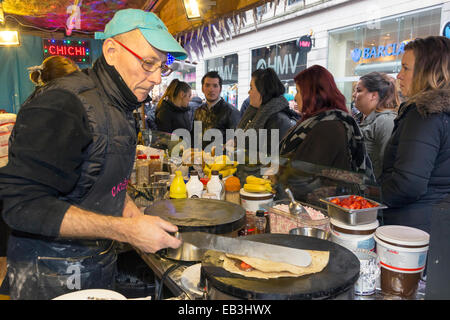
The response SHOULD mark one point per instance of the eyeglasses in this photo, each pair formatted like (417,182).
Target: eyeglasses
(148,65)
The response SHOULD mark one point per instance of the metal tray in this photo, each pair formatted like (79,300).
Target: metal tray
(352,217)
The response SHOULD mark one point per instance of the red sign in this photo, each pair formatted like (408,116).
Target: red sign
(77,50)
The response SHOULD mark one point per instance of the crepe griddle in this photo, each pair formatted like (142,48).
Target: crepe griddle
(338,276)
(205,215)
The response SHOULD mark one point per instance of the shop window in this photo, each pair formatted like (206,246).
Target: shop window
(379,46)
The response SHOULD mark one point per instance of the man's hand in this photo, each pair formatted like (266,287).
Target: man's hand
(149,234)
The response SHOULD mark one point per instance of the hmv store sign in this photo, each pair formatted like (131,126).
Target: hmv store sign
(287,59)
(226,66)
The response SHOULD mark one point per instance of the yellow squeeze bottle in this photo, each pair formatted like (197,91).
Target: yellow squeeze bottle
(178,187)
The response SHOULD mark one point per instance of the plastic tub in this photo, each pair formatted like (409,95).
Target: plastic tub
(252,201)
(283,221)
(354,237)
(403,254)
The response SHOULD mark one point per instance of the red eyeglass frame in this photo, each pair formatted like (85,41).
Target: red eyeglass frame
(144,62)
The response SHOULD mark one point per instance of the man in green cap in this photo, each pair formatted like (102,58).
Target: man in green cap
(71,156)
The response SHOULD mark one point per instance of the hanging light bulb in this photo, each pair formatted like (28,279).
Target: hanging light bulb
(192,9)
(9,38)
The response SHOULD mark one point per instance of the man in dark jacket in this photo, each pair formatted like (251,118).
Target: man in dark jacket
(64,188)
(215,113)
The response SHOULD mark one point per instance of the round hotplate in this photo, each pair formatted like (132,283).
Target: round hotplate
(206,215)
(338,276)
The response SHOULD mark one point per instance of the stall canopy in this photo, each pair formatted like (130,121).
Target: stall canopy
(38,21)
(218,20)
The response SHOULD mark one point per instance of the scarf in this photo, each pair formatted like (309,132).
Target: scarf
(256,118)
(360,161)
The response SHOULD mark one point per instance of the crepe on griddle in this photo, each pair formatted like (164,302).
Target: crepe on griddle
(265,269)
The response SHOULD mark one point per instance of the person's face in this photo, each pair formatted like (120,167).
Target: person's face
(254,95)
(185,97)
(211,89)
(405,75)
(139,81)
(365,101)
(299,99)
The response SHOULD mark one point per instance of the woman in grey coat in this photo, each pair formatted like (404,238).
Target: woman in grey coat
(377,99)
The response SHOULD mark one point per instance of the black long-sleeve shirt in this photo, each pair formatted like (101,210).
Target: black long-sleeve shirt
(42,164)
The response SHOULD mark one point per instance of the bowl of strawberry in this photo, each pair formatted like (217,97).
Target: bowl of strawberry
(353,209)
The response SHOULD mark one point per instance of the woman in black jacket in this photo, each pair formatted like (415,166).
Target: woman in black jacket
(327,135)
(416,164)
(268,108)
(172,111)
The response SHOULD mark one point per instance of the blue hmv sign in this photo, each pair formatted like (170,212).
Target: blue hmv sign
(375,52)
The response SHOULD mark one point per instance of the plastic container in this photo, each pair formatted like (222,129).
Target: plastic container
(154,164)
(178,187)
(403,253)
(142,174)
(194,187)
(253,202)
(215,186)
(260,222)
(232,188)
(354,237)
(283,221)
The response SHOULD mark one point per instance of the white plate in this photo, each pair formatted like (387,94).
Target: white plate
(190,278)
(92,294)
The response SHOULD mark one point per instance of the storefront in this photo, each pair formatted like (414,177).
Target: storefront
(287,59)
(376,45)
(227,67)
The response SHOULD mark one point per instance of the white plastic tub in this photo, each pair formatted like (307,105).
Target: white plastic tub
(354,237)
(403,253)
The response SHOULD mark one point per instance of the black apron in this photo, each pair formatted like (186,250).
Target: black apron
(44,268)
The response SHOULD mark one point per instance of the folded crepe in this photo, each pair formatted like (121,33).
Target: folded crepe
(265,269)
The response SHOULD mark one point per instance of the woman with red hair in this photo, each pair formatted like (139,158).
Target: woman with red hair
(327,134)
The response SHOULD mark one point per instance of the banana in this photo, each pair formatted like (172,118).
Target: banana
(228,172)
(224,159)
(255,180)
(257,187)
(218,166)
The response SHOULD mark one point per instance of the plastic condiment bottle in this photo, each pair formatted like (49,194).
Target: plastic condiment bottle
(154,165)
(178,187)
(194,187)
(260,222)
(222,194)
(214,185)
(142,175)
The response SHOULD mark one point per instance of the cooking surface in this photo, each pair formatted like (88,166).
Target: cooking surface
(338,276)
(206,215)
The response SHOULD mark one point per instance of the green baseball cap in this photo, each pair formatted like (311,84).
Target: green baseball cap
(152,28)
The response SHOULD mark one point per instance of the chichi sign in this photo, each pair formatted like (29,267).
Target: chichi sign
(78,51)
(375,52)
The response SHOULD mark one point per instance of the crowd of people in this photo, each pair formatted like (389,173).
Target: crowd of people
(75,139)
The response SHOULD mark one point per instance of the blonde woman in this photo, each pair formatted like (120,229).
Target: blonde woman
(376,98)
(51,68)
(416,165)
(173,111)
